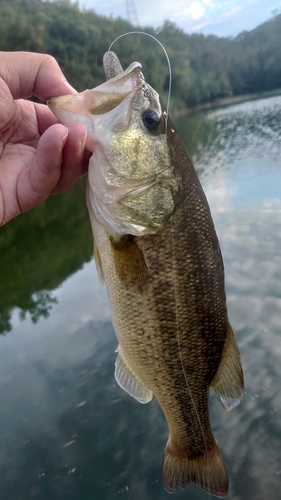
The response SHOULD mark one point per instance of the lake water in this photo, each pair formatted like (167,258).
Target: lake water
(67,429)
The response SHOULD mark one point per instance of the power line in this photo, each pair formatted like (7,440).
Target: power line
(132,12)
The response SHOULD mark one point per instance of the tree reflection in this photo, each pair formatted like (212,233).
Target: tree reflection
(40,306)
(39,250)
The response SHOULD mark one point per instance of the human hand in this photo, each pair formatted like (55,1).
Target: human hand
(38,156)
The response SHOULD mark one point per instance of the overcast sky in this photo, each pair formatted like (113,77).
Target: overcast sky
(218,17)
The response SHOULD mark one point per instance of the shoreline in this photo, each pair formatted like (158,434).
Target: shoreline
(228,101)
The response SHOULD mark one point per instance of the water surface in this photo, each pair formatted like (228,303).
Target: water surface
(67,429)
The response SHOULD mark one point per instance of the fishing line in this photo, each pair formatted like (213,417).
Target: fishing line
(168,61)
(173,244)
(180,354)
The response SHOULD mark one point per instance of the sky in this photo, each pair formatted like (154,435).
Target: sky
(217,17)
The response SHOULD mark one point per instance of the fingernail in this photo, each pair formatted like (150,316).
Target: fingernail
(84,138)
(64,137)
(70,87)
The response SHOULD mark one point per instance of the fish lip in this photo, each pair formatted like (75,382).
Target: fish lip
(124,85)
(63,100)
(69,107)
(134,67)
(101,99)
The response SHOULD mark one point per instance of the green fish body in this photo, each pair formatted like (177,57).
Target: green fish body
(157,251)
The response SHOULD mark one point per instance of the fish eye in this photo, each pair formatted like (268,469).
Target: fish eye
(151,119)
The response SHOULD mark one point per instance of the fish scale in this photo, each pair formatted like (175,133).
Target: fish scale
(157,251)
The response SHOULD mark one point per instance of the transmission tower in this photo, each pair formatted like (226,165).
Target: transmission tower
(132,13)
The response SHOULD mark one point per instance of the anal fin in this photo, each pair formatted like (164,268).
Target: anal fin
(129,381)
(228,383)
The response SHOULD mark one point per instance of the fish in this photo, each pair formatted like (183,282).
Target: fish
(157,252)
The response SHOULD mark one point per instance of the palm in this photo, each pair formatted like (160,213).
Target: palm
(38,156)
(26,173)
(19,143)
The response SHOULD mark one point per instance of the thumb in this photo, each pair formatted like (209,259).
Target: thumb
(7,106)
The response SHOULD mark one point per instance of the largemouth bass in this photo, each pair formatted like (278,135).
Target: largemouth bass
(157,251)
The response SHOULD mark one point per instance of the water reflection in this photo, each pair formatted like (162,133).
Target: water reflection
(217,138)
(237,152)
(252,259)
(39,250)
(68,431)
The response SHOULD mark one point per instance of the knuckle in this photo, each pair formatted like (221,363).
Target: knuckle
(49,60)
(7,107)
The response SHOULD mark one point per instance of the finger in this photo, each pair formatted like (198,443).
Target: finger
(73,156)
(7,107)
(37,181)
(27,74)
(45,117)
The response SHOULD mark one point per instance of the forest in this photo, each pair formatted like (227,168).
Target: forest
(204,68)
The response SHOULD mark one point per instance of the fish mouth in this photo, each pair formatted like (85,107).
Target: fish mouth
(101,99)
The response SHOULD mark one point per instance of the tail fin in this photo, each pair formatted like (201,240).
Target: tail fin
(206,471)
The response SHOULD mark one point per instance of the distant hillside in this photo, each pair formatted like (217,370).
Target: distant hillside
(205,68)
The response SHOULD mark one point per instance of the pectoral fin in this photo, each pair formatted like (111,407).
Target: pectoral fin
(129,381)
(129,261)
(228,383)
(98,265)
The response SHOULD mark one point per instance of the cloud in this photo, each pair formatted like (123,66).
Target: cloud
(271,205)
(222,18)
(196,10)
